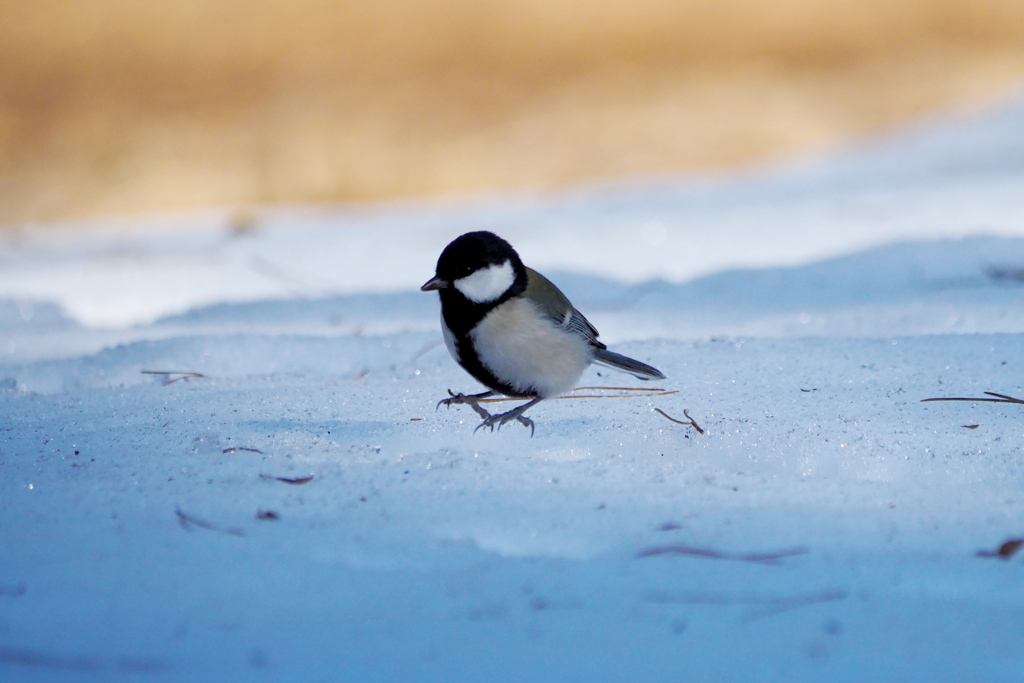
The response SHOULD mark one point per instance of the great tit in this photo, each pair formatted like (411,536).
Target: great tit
(512,329)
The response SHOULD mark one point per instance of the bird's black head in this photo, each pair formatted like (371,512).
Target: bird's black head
(475,273)
(481,267)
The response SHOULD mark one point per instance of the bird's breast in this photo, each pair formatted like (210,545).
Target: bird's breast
(528,351)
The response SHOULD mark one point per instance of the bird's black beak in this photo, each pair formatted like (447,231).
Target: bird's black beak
(435,283)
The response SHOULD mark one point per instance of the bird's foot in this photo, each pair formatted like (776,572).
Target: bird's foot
(516,414)
(471,400)
(503,418)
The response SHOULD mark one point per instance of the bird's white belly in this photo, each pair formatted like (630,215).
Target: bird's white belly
(528,351)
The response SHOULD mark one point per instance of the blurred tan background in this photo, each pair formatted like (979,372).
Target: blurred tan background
(128,106)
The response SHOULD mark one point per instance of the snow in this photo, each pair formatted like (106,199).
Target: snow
(159,386)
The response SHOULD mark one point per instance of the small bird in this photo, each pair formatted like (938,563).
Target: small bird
(512,329)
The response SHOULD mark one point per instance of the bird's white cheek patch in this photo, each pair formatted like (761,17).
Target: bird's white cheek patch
(487,284)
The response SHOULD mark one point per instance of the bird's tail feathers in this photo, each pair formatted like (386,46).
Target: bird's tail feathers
(633,367)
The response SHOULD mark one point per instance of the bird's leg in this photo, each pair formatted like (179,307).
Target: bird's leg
(514,414)
(471,400)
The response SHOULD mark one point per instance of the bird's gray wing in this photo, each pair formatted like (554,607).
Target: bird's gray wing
(556,306)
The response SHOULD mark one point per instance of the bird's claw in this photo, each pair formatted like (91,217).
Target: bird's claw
(447,402)
(463,399)
(503,418)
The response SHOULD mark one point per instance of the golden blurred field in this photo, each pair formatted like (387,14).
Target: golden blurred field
(124,106)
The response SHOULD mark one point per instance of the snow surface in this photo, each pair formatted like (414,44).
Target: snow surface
(825,526)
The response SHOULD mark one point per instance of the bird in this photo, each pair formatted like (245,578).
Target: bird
(513,330)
